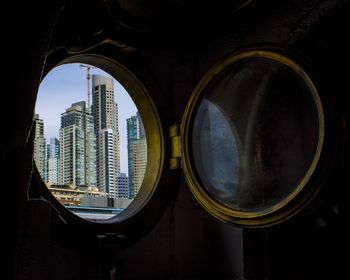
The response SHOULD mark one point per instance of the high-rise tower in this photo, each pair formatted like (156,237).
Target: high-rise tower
(52,161)
(105,112)
(77,147)
(39,146)
(137,154)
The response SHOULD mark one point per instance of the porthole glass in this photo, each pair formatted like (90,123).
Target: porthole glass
(91,144)
(254,132)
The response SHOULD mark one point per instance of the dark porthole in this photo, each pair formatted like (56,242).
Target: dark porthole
(254,133)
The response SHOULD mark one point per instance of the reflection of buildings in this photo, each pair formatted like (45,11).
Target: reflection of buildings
(77,147)
(137,153)
(215,151)
(105,112)
(52,161)
(39,145)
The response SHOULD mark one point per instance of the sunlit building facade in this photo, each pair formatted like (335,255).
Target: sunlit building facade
(137,154)
(105,113)
(40,146)
(77,147)
(52,161)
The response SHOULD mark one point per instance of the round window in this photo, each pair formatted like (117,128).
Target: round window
(99,154)
(254,132)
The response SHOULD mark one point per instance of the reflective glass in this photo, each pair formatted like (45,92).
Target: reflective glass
(255,134)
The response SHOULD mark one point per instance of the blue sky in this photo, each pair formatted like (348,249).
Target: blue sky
(67,84)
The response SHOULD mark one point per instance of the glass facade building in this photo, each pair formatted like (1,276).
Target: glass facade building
(123,186)
(52,161)
(137,154)
(77,147)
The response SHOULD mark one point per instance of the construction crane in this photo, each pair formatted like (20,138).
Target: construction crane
(88,77)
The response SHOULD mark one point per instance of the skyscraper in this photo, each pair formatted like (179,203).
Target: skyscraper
(52,161)
(137,153)
(105,112)
(39,145)
(77,147)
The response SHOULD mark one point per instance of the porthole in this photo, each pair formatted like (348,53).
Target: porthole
(251,144)
(89,202)
(253,134)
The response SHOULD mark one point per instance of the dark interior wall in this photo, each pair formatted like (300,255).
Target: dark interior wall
(187,243)
(307,247)
(26,35)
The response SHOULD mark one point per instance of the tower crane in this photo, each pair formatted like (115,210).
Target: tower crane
(88,77)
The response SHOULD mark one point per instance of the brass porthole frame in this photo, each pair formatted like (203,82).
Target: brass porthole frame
(152,125)
(147,207)
(295,201)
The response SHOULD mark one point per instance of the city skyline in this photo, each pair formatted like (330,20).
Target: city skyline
(67,84)
(70,160)
(87,152)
